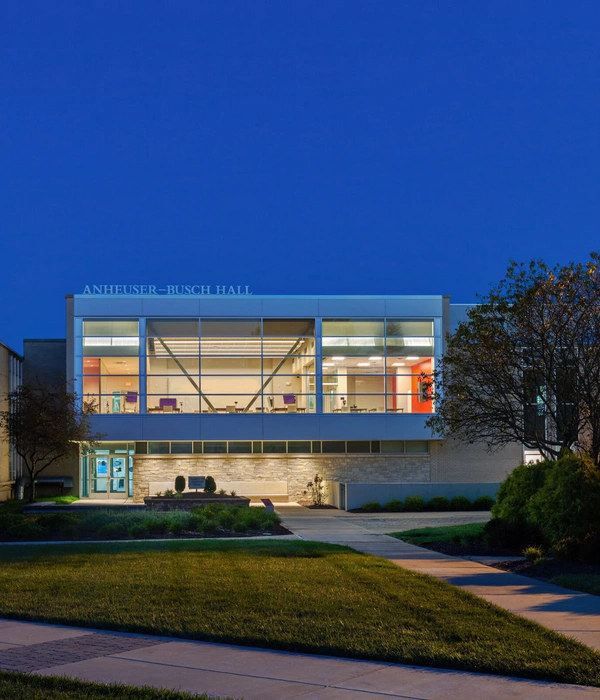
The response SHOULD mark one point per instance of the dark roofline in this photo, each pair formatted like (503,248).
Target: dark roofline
(11,351)
(45,340)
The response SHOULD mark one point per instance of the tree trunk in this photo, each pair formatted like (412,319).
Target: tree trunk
(32,491)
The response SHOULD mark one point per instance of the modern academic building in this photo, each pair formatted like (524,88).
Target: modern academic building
(264,392)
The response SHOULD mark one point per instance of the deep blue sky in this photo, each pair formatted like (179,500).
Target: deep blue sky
(298,147)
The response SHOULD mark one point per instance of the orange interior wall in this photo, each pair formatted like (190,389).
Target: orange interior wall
(418,406)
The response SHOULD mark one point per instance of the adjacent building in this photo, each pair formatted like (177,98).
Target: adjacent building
(11,372)
(263,392)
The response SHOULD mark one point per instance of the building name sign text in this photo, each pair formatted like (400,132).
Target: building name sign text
(168,289)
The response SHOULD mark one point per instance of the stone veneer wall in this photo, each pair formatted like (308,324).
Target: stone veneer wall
(448,462)
(297,470)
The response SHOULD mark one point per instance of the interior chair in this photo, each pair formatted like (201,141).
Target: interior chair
(230,409)
(168,408)
(131,399)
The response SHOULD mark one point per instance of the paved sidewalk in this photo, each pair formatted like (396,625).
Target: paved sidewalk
(560,609)
(254,674)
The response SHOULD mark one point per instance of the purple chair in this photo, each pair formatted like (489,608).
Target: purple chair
(167,405)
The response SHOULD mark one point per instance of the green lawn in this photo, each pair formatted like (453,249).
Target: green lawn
(23,686)
(427,535)
(59,500)
(588,583)
(299,596)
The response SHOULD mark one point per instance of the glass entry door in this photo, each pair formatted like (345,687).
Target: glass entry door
(109,476)
(118,475)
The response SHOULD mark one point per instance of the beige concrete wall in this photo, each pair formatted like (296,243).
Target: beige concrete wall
(457,462)
(297,470)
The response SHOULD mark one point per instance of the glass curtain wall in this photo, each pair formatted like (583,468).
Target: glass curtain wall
(254,365)
(230,365)
(377,365)
(111,365)
(172,366)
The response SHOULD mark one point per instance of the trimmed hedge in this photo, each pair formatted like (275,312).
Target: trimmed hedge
(416,504)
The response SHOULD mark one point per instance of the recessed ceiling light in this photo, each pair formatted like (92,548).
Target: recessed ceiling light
(398,364)
(412,358)
(328,364)
(338,359)
(376,357)
(363,364)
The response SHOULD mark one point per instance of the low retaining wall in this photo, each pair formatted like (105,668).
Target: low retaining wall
(356,495)
(164,504)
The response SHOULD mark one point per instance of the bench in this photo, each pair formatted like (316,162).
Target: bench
(254,490)
(65,482)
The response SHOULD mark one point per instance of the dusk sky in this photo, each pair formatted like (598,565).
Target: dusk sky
(296,147)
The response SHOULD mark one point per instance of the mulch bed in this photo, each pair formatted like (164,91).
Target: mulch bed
(185,535)
(549,569)
(475,550)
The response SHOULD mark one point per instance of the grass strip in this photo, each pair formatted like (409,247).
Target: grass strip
(31,687)
(450,533)
(298,596)
(586,583)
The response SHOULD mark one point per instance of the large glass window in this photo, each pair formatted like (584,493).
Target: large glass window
(111,365)
(249,365)
(377,365)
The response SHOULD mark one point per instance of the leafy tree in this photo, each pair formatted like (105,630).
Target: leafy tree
(525,365)
(46,424)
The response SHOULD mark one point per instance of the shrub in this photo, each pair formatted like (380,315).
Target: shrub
(169,493)
(222,492)
(94,521)
(317,490)
(568,503)
(460,503)
(515,492)
(233,493)
(568,548)
(270,521)
(589,549)
(240,526)
(394,506)
(180,484)
(483,503)
(158,525)
(27,531)
(176,528)
(226,518)
(10,521)
(438,503)
(414,504)
(60,523)
(210,485)
(533,553)
(371,507)
(138,530)
(209,525)
(112,531)
(502,534)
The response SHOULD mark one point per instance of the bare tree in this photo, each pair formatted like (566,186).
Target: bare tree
(46,425)
(525,366)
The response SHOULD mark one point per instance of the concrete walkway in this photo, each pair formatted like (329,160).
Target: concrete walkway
(560,609)
(254,674)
